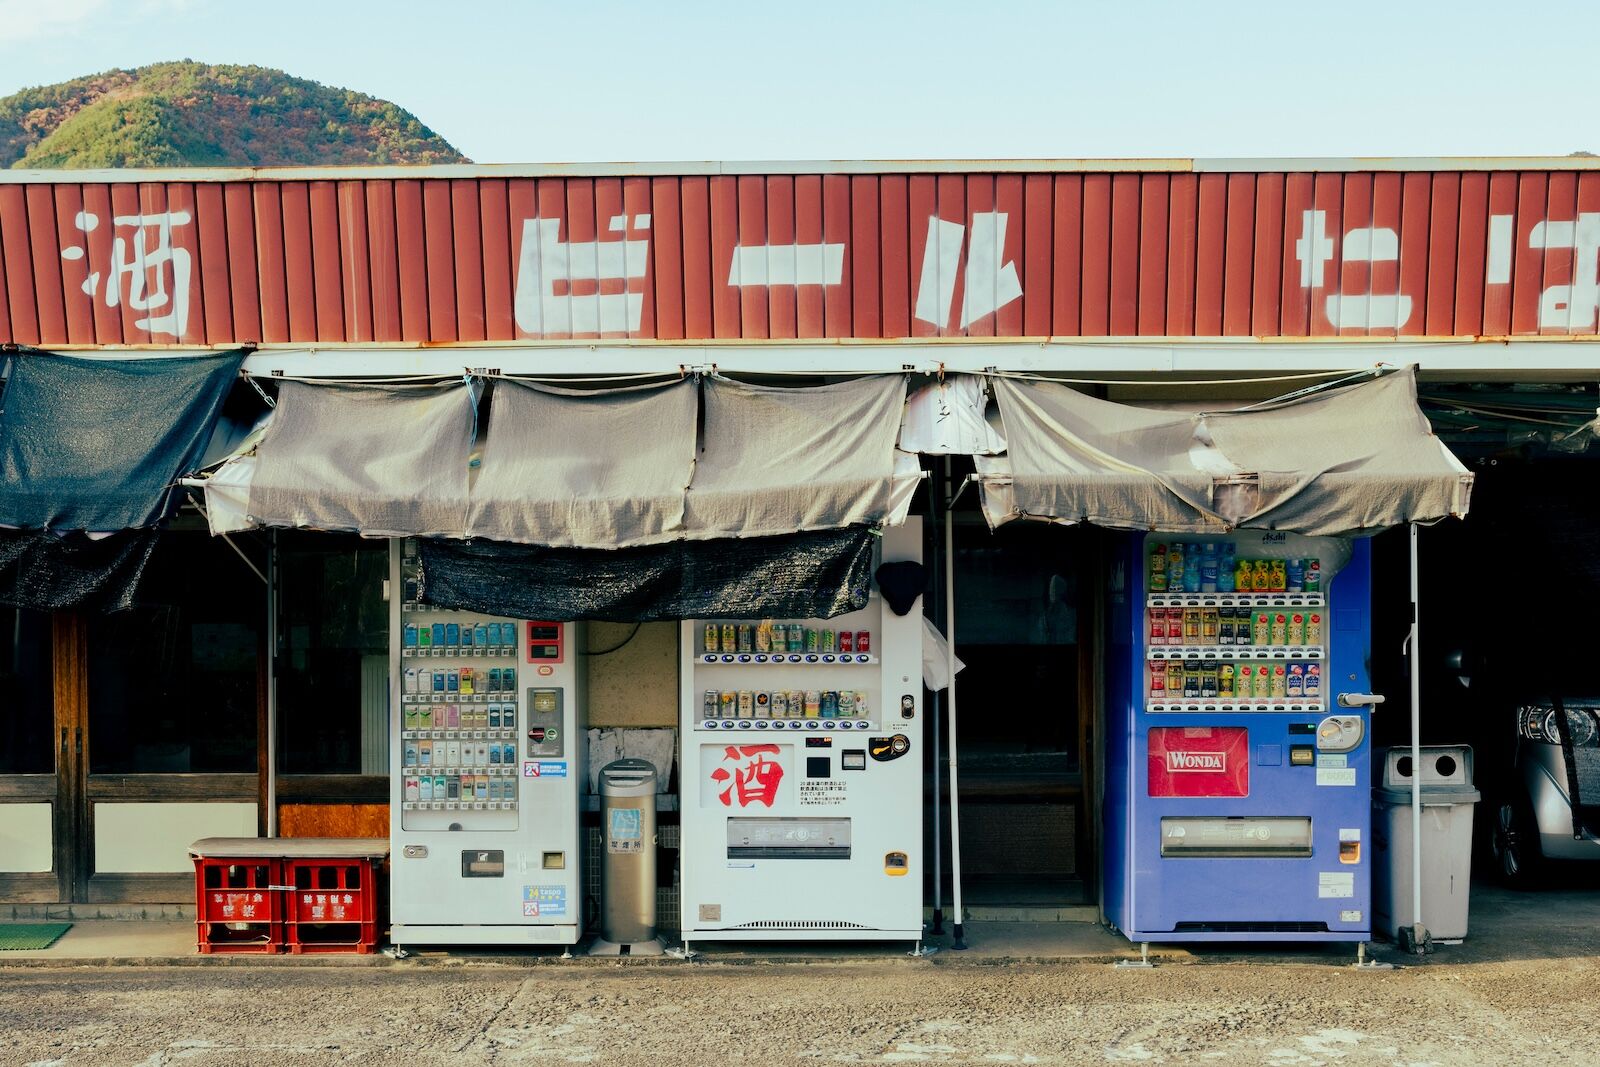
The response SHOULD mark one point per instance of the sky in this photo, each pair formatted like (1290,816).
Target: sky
(609,80)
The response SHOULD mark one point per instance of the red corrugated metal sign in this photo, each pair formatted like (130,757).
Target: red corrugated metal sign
(897,255)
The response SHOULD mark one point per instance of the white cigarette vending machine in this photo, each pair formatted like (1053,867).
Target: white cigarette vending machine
(487,753)
(801,772)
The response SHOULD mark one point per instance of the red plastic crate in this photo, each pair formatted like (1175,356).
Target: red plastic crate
(332,905)
(238,905)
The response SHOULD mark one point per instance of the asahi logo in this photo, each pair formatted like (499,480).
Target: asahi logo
(1197,761)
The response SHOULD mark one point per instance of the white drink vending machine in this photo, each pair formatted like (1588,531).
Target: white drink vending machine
(487,753)
(801,771)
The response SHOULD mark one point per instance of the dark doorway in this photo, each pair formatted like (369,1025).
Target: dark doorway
(1024,629)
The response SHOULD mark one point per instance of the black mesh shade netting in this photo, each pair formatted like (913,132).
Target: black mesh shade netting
(45,572)
(99,444)
(804,575)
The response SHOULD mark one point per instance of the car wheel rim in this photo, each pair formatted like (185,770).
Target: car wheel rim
(1505,841)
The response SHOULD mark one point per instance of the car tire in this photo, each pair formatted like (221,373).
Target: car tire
(1514,843)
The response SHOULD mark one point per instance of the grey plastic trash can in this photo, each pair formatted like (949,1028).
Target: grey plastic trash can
(1448,799)
(628,852)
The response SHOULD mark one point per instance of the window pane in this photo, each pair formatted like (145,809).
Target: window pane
(333,681)
(27,721)
(174,684)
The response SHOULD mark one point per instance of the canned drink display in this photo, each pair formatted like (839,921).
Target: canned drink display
(1174,679)
(1313,579)
(1174,626)
(1225,680)
(1261,628)
(764,637)
(1297,628)
(1158,626)
(813,704)
(780,705)
(1242,621)
(1280,681)
(730,704)
(847,704)
(1158,569)
(1280,576)
(1225,626)
(829,706)
(1313,680)
(1314,628)
(747,637)
(1261,577)
(1191,681)
(813,640)
(861,703)
(1296,683)
(709,707)
(1263,686)
(797,704)
(763,705)
(797,637)
(728,642)
(847,641)
(829,640)
(1209,681)
(863,641)
(747,704)
(1158,680)
(712,641)
(1210,626)
(1280,628)
(1191,626)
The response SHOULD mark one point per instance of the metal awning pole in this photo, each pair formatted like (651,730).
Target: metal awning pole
(938,706)
(950,642)
(1419,929)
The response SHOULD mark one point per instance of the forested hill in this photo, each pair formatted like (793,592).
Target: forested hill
(194,114)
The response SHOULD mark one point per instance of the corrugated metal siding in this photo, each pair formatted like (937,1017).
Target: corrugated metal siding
(894,255)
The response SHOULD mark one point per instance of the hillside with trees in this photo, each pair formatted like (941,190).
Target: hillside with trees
(195,114)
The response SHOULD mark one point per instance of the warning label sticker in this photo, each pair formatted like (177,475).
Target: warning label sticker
(1336,884)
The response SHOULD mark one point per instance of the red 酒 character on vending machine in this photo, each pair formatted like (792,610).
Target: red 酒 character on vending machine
(753,778)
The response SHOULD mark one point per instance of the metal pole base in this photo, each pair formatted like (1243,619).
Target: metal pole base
(1365,963)
(938,920)
(958,945)
(684,953)
(919,950)
(1416,940)
(1141,964)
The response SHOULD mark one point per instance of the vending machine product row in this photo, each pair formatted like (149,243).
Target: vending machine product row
(1238,752)
(487,759)
(801,766)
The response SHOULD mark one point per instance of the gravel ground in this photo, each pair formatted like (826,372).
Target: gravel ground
(941,1010)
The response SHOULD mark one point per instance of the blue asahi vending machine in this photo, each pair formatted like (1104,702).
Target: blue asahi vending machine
(1238,751)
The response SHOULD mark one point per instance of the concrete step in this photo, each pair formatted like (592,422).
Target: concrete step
(84,912)
(1025,913)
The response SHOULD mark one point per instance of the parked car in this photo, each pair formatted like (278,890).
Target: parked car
(1531,818)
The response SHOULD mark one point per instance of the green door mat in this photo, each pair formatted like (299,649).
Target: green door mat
(17,937)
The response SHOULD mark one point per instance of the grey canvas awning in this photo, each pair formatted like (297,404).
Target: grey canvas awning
(374,459)
(698,459)
(1342,460)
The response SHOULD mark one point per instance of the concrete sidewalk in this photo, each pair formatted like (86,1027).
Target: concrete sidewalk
(1505,926)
